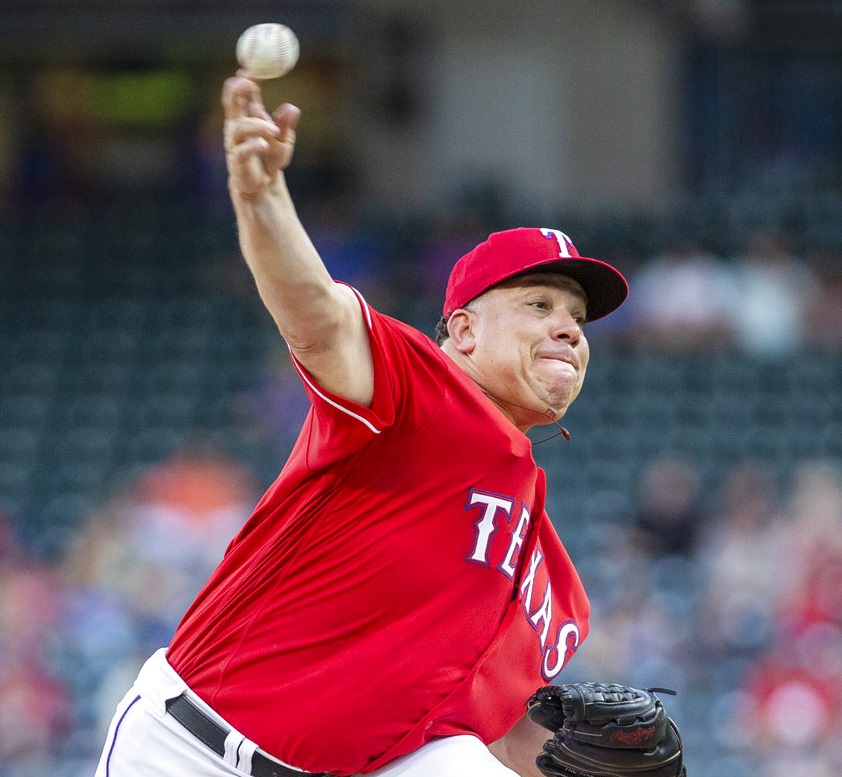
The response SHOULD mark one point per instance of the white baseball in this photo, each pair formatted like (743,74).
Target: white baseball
(267,50)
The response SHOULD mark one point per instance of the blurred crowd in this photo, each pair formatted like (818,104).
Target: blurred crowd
(766,301)
(728,591)
(734,599)
(730,594)
(73,631)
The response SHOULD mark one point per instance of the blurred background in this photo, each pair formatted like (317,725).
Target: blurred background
(146,400)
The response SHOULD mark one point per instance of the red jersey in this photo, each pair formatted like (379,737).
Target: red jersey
(399,581)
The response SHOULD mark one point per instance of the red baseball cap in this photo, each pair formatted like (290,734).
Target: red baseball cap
(530,249)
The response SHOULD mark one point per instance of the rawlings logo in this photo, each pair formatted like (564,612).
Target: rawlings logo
(633,737)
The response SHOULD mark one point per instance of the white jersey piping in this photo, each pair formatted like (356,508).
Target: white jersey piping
(316,390)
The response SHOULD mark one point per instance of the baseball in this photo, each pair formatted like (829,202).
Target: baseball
(267,50)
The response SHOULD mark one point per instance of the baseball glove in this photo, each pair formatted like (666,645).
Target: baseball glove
(606,730)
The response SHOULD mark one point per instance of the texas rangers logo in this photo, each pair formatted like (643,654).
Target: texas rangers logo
(558,641)
(566,249)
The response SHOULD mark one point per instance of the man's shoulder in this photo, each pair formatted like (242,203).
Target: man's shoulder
(398,329)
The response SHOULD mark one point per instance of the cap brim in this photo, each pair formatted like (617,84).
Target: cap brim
(604,286)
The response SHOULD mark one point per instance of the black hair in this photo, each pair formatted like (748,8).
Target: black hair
(441,333)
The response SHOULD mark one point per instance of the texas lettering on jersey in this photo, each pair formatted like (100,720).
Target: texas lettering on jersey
(504,522)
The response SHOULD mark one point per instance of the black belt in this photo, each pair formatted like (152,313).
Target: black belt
(213,735)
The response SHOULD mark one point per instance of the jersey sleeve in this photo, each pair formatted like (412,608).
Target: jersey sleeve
(337,427)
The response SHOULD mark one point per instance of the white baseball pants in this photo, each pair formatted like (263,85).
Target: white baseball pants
(144,741)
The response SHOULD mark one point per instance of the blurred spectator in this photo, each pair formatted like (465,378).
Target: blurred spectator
(185,511)
(810,612)
(813,517)
(775,293)
(791,712)
(792,694)
(35,715)
(138,560)
(642,636)
(741,554)
(669,514)
(35,701)
(197,485)
(683,301)
(824,319)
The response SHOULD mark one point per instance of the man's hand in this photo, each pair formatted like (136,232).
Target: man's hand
(257,146)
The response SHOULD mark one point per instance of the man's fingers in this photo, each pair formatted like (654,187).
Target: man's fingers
(245,165)
(240,130)
(235,100)
(241,98)
(257,144)
(286,117)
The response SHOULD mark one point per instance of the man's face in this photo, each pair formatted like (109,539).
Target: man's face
(525,346)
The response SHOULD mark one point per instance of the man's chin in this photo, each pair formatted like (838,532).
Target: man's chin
(562,396)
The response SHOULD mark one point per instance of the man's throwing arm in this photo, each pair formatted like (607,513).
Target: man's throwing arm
(320,320)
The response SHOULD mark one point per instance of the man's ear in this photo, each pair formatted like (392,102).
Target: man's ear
(460,327)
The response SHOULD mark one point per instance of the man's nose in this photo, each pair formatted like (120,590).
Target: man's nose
(567,328)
